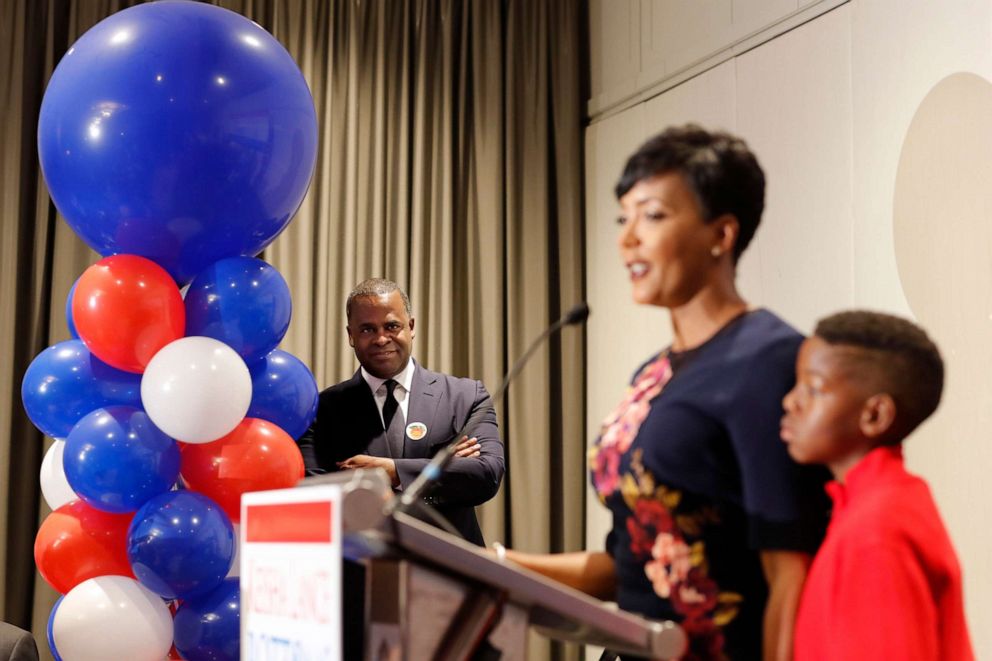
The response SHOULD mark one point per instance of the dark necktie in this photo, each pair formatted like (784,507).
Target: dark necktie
(390,405)
(393,421)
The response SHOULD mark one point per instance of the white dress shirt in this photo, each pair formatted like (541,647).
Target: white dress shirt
(404,381)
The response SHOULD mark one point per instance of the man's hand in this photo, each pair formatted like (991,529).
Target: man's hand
(365,461)
(468,447)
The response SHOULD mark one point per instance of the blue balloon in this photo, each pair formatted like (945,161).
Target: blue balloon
(241,301)
(68,311)
(50,633)
(207,628)
(180,545)
(178,131)
(283,392)
(65,382)
(116,459)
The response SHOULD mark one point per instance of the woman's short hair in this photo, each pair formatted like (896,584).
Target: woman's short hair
(718,167)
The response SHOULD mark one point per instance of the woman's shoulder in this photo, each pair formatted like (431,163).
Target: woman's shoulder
(758,339)
(763,327)
(759,336)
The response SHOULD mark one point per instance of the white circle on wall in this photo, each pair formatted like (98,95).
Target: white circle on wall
(942,213)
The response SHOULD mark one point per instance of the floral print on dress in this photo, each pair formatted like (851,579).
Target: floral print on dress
(619,429)
(669,565)
(665,534)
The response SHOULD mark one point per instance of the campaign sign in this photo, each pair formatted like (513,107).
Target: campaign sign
(291,574)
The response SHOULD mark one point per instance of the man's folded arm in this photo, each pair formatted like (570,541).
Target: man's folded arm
(469,481)
(308,450)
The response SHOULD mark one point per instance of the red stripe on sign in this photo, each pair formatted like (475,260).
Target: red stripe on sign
(289,522)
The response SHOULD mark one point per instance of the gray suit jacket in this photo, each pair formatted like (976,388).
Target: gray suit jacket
(16,644)
(348,423)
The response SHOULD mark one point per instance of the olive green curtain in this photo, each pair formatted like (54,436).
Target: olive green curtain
(450,160)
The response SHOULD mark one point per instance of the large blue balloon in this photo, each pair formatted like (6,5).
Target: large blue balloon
(178,131)
(284,392)
(65,382)
(241,301)
(180,545)
(207,628)
(116,459)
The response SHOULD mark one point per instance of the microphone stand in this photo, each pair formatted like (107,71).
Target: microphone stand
(435,468)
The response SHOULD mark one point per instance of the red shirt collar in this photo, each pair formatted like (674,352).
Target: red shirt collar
(873,466)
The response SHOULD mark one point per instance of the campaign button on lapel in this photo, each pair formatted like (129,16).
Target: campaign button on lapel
(416,431)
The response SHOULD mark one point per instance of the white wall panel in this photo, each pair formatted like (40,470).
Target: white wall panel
(676,33)
(641,48)
(751,15)
(707,99)
(614,47)
(794,108)
(617,330)
(901,50)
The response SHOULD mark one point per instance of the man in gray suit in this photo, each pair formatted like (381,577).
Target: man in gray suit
(395,414)
(16,644)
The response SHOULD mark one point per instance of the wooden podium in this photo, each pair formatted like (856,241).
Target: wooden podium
(430,595)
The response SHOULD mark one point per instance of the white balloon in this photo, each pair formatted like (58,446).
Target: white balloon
(235,570)
(112,617)
(54,486)
(196,389)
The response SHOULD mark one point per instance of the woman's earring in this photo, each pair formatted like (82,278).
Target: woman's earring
(715,251)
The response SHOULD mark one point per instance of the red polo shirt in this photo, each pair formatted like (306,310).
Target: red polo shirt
(886,583)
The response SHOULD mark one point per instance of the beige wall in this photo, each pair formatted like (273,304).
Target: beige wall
(873,121)
(642,48)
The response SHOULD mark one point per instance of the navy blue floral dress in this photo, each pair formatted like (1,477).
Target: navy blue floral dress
(698,482)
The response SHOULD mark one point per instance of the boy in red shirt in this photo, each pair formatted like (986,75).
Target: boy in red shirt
(886,583)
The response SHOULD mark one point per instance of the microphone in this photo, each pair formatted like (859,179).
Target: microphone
(434,469)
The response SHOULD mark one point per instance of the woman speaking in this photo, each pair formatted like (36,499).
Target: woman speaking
(713,524)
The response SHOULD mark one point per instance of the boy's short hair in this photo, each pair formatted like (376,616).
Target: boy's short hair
(899,353)
(717,166)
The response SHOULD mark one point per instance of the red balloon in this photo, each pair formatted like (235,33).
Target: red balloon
(77,542)
(125,309)
(256,456)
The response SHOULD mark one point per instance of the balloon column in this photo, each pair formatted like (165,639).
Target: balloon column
(177,139)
